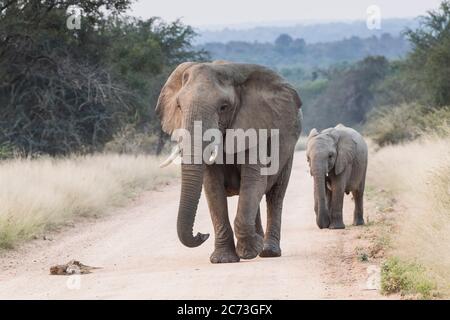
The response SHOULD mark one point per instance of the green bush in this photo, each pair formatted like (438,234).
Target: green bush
(406,278)
(7,151)
(69,91)
(392,125)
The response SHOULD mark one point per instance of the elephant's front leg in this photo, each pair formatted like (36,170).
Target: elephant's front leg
(274,200)
(252,188)
(224,249)
(336,206)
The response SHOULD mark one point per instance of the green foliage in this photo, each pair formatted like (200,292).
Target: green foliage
(65,90)
(296,75)
(391,125)
(397,87)
(311,90)
(141,55)
(406,279)
(346,97)
(429,60)
(398,90)
(54,96)
(6,151)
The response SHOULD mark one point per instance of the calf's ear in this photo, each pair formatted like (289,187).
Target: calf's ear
(313,133)
(345,150)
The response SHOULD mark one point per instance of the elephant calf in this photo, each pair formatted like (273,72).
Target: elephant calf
(337,159)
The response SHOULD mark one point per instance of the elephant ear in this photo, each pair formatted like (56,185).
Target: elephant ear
(313,133)
(167,106)
(345,149)
(265,99)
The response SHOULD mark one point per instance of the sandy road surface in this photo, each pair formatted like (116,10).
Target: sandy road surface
(143,259)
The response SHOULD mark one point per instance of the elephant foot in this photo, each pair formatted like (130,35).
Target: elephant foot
(224,256)
(249,247)
(337,225)
(270,251)
(358,222)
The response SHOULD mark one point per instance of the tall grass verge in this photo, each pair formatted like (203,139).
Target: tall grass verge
(417,174)
(39,194)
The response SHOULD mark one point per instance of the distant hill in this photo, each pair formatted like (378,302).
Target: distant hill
(311,33)
(288,53)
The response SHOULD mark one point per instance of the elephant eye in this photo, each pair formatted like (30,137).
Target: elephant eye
(223,107)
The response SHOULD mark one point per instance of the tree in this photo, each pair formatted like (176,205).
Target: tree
(65,90)
(429,59)
(283,41)
(348,95)
(55,96)
(298,46)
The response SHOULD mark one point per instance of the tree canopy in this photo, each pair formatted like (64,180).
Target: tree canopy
(64,90)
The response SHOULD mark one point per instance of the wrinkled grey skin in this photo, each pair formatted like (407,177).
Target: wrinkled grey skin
(230,95)
(337,159)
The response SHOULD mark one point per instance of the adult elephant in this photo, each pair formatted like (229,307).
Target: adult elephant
(225,95)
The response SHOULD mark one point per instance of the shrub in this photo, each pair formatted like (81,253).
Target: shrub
(391,125)
(405,278)
(130,141)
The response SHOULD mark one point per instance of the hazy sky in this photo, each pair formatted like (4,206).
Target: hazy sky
(214,12)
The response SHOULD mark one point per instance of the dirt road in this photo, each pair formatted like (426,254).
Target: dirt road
(142,258)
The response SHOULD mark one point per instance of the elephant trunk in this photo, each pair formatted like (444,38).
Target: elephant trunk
(322,213)
(191,187)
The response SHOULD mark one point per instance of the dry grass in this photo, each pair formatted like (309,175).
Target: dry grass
(38,194)
(392,125)
(417,174)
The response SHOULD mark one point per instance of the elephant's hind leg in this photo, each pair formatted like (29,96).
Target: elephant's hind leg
(274,200)
(224,248)
(258,224)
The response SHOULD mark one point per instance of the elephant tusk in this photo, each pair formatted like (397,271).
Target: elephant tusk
(175,153)
(214,154)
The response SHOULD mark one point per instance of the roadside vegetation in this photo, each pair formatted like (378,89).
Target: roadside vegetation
(66,91)
(417,176)
(410,162)
(410,279)
(39,195)
(407,122)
